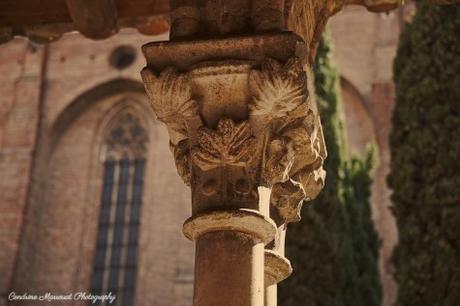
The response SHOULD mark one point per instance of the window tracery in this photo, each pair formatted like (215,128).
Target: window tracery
(115,264)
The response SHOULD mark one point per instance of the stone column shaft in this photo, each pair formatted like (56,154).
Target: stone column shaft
(236,278)
(271,295)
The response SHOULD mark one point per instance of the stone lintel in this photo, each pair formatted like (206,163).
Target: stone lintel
(184,54)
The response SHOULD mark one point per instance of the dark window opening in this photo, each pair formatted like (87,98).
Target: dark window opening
(115,257)
(122,57)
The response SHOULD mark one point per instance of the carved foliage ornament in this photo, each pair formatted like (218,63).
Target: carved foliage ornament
(224,163)
(277,144)
(278,90)
(171,99)
(293,164)
(230,144)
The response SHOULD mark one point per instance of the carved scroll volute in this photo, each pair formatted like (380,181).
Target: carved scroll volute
(171,99)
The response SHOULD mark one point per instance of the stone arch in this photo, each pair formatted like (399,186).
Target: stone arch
(61,220)
(60,224)
(85,99)
(124,154)
(359,126)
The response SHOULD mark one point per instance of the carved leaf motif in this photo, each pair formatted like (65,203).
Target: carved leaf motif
(230,143)
(171,99)
(277,90)
(277,163)
(170,93)
(181,154)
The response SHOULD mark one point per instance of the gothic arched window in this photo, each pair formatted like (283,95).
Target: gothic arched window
(114,267)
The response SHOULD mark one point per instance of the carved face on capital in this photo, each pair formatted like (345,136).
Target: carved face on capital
(300,147)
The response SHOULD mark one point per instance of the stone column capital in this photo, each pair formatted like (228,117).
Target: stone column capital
(238,120)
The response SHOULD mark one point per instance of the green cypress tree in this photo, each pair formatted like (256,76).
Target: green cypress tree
(334,249)
(425,158)
(362,282)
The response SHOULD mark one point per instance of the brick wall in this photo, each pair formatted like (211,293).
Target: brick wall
(21,66)
(62,190)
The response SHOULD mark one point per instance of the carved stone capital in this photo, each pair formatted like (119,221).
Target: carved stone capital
(239,118)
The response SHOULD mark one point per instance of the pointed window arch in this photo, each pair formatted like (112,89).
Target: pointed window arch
(114,266)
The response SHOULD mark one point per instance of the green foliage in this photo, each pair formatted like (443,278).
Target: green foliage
(334,249)
(362,286)
(425,158)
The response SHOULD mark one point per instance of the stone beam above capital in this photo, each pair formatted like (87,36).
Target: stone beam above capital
(309,18)
(377,5)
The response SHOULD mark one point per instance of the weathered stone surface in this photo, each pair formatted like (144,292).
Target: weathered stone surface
(191,18)
(235,127)
(277,268)
(224,164)
(184,54)
(229,270)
